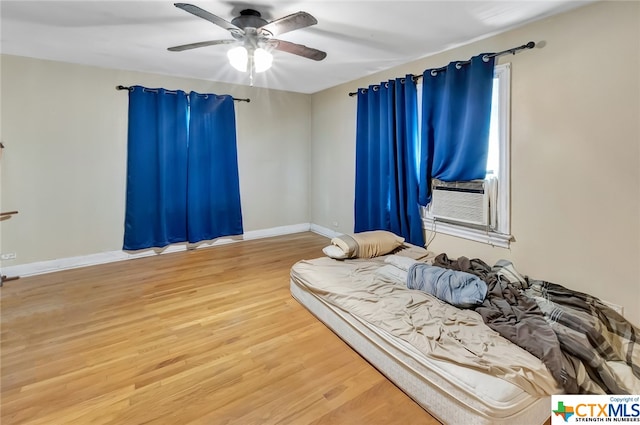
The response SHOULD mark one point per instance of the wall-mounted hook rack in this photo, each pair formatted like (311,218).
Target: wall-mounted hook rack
(5,216)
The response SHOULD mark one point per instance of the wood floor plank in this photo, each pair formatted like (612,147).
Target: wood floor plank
(207,336)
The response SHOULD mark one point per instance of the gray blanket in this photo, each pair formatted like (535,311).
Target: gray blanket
(457,288)
(596,340)
(587,347)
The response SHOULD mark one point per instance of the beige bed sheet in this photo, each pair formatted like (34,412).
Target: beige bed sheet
(438,330)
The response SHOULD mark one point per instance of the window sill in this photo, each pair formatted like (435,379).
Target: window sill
(490,238)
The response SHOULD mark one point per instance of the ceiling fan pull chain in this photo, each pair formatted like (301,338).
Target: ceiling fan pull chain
(252,68)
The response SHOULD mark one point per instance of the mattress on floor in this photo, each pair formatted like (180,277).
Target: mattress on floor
(466,390)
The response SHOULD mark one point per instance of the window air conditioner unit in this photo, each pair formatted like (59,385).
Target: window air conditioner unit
(463,202)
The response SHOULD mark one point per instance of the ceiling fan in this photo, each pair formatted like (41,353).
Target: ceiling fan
(255,37)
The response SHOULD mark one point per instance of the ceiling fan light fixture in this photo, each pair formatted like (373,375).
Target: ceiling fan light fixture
(238,58)
(262,59)
(255,35)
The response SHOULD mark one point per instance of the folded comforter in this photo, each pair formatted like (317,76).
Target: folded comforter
(457,288)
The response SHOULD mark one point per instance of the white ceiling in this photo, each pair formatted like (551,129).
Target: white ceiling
(360,36)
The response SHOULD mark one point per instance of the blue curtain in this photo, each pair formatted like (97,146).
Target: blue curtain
(386,192)
(156,168)
(456,114)
(182,168)
(213,197)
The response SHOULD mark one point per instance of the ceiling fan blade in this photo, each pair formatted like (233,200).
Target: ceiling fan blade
(289,23)
(199,44)
(201,13)
(298,49)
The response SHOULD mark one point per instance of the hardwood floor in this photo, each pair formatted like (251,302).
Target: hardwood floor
(209,336)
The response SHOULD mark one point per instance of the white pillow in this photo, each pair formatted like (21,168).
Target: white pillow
(335,252)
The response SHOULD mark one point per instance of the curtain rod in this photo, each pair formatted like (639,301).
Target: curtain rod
(120,87)
(513,50)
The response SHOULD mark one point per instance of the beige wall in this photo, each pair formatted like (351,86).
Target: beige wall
(575,151)
(64,167)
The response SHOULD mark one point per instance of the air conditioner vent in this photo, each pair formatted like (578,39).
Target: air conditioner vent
(464,202)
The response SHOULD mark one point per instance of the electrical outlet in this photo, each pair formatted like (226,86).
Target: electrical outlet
(335,224)
(8,256)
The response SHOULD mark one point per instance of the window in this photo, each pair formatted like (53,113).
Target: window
(498,173)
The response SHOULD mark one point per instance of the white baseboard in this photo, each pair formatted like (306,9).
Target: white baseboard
(42,267)
(324,231)
(49,266)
